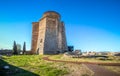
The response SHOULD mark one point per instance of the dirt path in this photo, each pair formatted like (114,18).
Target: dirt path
(98,71)
(97,63)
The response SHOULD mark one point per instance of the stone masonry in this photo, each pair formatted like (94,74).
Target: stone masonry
(48,35)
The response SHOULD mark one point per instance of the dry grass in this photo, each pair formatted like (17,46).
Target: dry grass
(79,70)
(75,69)
(113,68)
(111,59)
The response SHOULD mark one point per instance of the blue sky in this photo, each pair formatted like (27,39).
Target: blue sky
(91,25)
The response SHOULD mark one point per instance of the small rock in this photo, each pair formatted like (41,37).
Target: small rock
(6,67)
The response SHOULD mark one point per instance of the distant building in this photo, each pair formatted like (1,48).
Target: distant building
(102,53)
(89,53)
(18,47)
(78,52)
(5,52)
(117,54)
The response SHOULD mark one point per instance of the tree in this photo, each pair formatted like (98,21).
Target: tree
(15,52)
(24,48)
(70,48)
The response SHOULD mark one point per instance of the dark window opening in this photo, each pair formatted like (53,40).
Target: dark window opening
(41,41)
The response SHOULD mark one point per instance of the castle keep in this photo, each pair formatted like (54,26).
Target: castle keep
(48,35)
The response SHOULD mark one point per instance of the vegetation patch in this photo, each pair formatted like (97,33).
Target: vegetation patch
(31,65)
(109,59)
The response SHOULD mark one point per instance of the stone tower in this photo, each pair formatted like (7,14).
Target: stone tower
(48,35)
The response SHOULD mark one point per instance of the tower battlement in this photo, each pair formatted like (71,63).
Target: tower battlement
(51,14)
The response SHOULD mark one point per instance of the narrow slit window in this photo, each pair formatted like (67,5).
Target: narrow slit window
(41,41)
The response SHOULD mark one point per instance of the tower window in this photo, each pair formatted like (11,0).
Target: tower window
(41,41)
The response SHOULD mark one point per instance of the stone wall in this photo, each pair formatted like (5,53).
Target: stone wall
(64,42)
(35,29)
(41,37)
(51,36)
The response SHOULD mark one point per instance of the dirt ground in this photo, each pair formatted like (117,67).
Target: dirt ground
(78,70)
(85,69)
(101,71)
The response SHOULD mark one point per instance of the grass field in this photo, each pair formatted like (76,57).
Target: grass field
(34,65)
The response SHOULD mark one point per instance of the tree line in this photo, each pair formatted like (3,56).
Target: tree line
(15,50)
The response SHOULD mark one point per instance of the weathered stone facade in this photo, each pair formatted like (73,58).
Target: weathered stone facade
(48,35)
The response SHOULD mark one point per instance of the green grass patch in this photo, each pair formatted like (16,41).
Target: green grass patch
(32,65)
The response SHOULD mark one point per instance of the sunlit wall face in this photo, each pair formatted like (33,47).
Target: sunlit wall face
(90,24)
